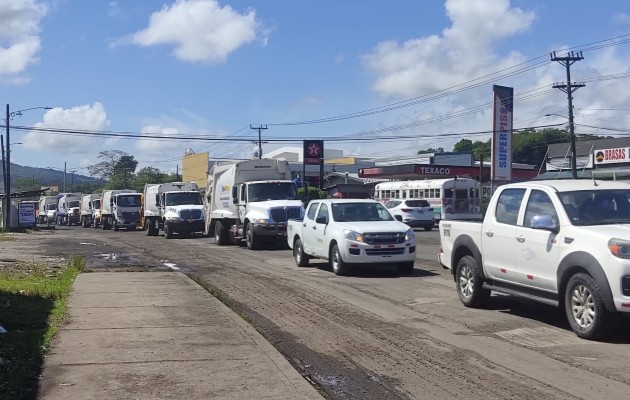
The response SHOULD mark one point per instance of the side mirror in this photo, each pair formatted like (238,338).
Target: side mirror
(111,202)
(234,200)
(545,223)
(157,199)
(321,220)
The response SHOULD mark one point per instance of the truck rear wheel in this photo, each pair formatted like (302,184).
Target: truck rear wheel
(301,258)
(469,281)
(585,309)
(220,234)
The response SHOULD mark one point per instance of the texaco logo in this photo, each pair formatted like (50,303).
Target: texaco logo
(313,150)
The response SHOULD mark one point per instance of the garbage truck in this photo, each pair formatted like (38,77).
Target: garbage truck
(175,207)
(250,201)
(120,209)
(68,209)
(88,203)
(47,209)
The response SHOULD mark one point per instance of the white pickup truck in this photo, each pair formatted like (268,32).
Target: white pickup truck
(347,232)
(559,242)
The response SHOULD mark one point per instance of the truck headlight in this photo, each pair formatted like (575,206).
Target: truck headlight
(619,247)
(354,236)
(261,220)
(409,235)
(173,218)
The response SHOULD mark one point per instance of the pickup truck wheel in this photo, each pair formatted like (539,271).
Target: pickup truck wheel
(339,267)
(250,237)
(585,309)
(220,234)
(470,283)
(301,259)
(406,268)
(168,230)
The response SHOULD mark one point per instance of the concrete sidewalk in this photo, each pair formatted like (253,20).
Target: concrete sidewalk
(154,335)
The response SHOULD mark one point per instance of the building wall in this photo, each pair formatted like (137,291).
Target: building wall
(195,169)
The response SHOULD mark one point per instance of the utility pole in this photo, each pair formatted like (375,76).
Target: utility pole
(568,88)
(259,128)
(7,183)
(64,176)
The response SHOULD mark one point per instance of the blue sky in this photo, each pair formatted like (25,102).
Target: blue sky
(210,69)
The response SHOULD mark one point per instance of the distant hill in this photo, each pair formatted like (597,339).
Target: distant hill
(23,178)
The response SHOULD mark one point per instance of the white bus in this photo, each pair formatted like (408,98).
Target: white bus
(452,198)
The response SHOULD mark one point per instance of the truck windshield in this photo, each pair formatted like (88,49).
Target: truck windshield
(72,204)
(272,191)
(128,201)
(349,212)
(51,206)
(597,207)
(183,199)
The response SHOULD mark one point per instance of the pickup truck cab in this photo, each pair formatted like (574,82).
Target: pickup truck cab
(349,231)
(559,242)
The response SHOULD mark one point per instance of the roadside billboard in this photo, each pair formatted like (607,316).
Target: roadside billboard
(26,215)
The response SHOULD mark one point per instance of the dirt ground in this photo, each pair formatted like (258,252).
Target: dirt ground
(373,335)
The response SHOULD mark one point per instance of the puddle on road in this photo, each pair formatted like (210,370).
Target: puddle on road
(109,256)
(171,265)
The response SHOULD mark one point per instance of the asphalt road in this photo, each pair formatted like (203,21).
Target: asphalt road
(377,335)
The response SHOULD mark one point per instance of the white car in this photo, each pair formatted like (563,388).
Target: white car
(413,212)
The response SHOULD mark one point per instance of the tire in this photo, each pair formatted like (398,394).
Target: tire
(469,281)
(585,309)
(406,268)
(168,230)
(301,258)
(250,238)
(337,264)
(85,223)
(220,234)
(115,224)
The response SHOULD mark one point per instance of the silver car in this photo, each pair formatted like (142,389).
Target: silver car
(417,213)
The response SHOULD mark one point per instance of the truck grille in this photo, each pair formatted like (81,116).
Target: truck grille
(385,252)
(133,215)
(284,214)
(384,238)
(187,215)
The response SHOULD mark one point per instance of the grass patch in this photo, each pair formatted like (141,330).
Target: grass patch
(4,236)
(33,302)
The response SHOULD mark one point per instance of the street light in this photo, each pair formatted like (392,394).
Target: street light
(7,183)
(571,141)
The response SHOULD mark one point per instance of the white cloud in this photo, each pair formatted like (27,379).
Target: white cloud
(201,30)
(464,50)
(622,18)
(19,37)
(86,117)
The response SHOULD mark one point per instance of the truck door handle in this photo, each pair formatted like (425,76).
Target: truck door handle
(314,227)
(489,233)
(304,225)
(520,239)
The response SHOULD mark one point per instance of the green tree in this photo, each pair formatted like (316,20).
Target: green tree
(313,193)
(112,162)
(149,175)
(478,148)
(431,150)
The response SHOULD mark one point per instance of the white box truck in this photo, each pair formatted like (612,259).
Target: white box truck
(47,209)
(88,203)
(120,209)
(251,200)
(68,209)
(175,207)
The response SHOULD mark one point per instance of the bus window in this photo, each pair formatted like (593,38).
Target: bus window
(448,193)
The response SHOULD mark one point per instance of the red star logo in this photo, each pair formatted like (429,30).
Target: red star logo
(313,150)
